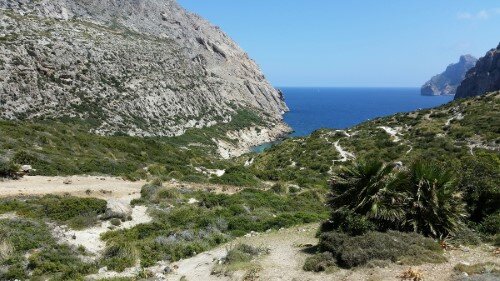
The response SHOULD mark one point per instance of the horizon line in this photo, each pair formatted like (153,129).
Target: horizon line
(359,87)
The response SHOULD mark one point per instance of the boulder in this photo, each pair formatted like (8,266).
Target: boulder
(117,209)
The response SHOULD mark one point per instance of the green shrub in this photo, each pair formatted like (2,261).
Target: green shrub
(320,262)
(407,248)
(119,256)
(243,253)
(59,262)
(466,236)
(491,224)
(185,229)
(238,176)
(51,259)
(76,212)
(8,169)
(279,188)
(115,222)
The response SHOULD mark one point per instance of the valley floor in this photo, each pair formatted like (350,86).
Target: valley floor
(288,248)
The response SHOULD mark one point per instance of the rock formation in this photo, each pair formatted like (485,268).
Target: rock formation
(447,82)
(483,78)
(139,67)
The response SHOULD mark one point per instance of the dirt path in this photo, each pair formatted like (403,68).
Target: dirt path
(104,187)
(393,133)
(344,154)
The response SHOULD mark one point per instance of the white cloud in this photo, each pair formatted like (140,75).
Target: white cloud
(481,15)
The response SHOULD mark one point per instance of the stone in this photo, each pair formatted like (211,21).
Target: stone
(117,209)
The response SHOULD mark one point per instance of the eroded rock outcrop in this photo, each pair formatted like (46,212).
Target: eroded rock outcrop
(447,82)
(483,78)
(140,67)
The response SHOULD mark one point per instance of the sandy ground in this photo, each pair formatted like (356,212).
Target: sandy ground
(75,185)
(90,237)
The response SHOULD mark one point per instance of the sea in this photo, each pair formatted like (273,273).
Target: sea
(340,108)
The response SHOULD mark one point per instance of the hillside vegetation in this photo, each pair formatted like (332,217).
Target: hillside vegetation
(448,155)
(67,148)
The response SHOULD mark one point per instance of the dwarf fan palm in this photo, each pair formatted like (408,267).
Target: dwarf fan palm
(364,188)
(434,206)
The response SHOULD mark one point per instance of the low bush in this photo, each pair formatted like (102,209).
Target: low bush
(8,170)
(76,212)
(59,262)
(119,256)
(491,224)
(479,268)
(406,248)
(243,253)
(240,258)
(21,236)
(466,236)
(115,222)
(238,176)
(320,262)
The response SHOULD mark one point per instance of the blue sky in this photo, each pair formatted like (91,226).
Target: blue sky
(389,43)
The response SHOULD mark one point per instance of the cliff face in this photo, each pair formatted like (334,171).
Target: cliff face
(483,78)
(447,82)
(141,67)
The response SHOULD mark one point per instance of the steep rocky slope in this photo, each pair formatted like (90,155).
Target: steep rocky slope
(141,67)
(483,78)
(447,82)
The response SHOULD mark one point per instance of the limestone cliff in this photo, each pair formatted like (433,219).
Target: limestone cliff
(447,82)
(483,78)
(140,67)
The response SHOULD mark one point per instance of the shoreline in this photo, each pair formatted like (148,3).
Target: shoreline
(245,139)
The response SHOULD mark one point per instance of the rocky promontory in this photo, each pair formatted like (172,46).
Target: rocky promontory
(447,82)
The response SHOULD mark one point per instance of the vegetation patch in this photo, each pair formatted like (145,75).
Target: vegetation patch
(321,262)
(76,212)
(28,250)
(479,268)
(405,248)
(187,222)
(240,258)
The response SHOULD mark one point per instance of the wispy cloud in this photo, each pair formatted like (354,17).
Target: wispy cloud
(481,15)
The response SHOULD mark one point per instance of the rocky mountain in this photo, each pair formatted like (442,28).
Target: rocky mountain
(139,67)
(483,78)
(447,82)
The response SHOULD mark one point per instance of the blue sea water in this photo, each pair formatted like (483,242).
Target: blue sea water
(340,108)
